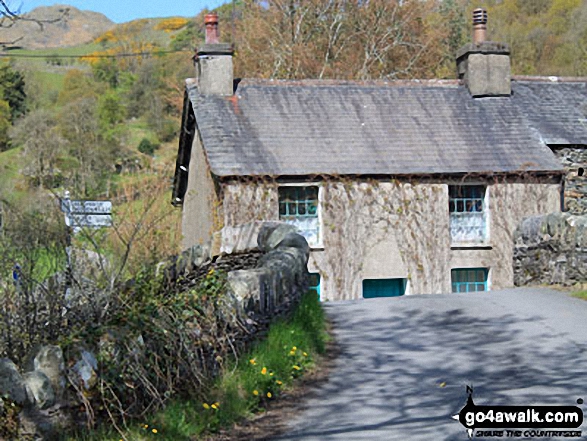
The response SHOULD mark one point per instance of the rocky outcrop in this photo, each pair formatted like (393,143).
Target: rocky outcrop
(551,249)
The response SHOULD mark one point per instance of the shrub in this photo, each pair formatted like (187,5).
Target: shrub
(148,147)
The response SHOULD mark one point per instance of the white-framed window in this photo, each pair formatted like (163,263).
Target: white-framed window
(299,205)
(467,205)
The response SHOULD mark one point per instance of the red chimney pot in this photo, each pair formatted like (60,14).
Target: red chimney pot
(211,22)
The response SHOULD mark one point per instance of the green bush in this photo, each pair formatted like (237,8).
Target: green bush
(148,147)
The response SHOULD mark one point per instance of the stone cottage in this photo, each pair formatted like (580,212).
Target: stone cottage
(400,187)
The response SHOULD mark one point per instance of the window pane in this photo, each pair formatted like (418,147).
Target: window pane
(299,206)
(469,279)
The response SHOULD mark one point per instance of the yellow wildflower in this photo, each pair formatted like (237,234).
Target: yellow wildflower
(255,392)
(269,395)
(146,426)
(296,367)
(154,430)
(305,354)
(264,371)
(217,404)
(294,348)
(270,374)
(253,361)
(279,382)
(214,406)
(206,406)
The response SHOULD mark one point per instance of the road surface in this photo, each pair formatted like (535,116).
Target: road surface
(405,363)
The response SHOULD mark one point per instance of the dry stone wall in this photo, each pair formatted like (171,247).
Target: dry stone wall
(574,159)
(551,249)
(267,274)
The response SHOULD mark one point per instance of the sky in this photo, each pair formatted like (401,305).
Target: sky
(120,11)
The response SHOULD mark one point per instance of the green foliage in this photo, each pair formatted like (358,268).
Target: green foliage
(110,110)
(148,147)
(77,85)
(107,70)
(12,90)
(186,39)
(4,125)
(9,423)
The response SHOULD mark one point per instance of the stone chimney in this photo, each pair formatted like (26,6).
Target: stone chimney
(213,60)
(484,66)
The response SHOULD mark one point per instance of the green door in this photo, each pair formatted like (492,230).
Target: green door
(383,288)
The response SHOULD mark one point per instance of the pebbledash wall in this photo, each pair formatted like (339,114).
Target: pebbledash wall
(391,229)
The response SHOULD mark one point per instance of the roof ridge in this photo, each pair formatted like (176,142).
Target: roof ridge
(549,79)
(333,82)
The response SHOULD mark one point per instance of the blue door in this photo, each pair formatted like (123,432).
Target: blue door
(383,288)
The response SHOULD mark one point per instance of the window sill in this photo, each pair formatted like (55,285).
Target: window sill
(471,246)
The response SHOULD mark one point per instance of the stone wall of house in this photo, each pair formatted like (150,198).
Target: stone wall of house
(397,229)
(200,207)
(551,249)
(574,159)
(267,274)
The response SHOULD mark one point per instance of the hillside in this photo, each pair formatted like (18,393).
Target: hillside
(77,28)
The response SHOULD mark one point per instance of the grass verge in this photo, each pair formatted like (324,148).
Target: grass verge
(581,294)
(246,386)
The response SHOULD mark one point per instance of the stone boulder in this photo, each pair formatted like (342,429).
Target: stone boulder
(39,390)
(11,382)
(85,369)
(49,361)
(272,233)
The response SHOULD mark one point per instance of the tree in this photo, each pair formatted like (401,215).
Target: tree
(43,146)
(12,90)
(4,125)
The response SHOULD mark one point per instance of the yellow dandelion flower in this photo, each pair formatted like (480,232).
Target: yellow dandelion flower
(305,354)
(253,361)
(206,406)
(214,406)
(264,371)
(294,348)
(279,382)
(154,430)
(296,367)
(270,374)
(255,392)
(217,404)
(146,426)
(269,395)
(292,353)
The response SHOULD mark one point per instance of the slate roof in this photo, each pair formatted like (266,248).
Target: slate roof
(282,128)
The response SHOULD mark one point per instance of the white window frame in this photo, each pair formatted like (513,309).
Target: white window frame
(319,244)
(486,212)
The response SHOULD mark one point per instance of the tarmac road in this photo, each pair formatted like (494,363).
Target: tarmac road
(405,363)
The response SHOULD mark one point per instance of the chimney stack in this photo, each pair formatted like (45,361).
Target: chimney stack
(484,66)
(213,60)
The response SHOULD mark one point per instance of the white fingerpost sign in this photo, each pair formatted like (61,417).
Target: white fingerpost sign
(93,214)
